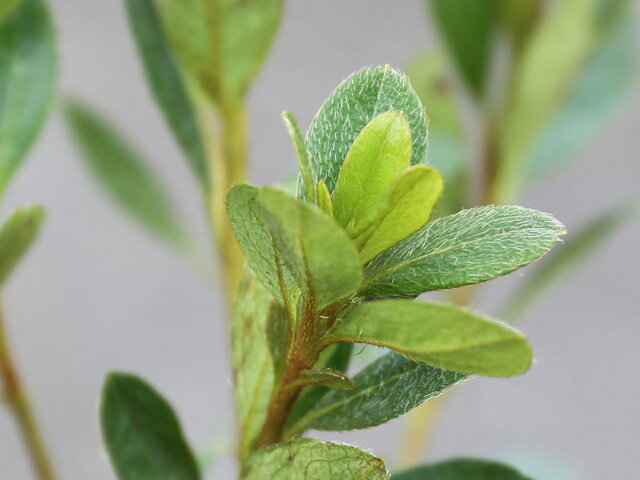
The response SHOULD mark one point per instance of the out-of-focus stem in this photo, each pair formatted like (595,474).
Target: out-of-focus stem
(18,401)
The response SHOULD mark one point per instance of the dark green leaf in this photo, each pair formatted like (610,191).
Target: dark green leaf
(141,432)
(16,236)
(307,458)
(123,172)
(222,44)
(166,82)
(27,80)
(357,101)
(469,247)
(443,336)
(579,248)
(462,469)
(467,27)
(385,389)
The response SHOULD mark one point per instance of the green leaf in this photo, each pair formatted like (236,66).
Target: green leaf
(278,331)
(304,160)
(443,336)
(519,18)
(555,53)
(592,104)
(6,7)
(385,389)
(222,44)
(324,198)
(283,238)
(166,82)
(327,377)
(253,367)
(579,248)
(27,80)
(467,27)
(16,236)
(472,246)
(141,432)
(405,209)
(123,173)
(358,100)
(380,153)
(307,458)
(458,469)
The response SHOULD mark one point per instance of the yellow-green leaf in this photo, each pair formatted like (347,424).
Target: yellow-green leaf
(16,236)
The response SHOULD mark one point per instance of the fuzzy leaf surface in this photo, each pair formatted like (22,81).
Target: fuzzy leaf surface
(222,43)
(300,146)
(353,104)
(142,433)
(16,237)
(123,172)
(458,469)
(384,390)
(166,82)
(380,153)
(27,80)
(471,246)
(310,459)
(444,336)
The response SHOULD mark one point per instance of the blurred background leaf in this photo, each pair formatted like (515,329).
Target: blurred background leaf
(16,236)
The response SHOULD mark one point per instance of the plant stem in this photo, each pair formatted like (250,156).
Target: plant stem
(18,401)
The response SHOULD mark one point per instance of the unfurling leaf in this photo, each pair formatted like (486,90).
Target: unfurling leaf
(222,44)
(358,100)
(141,432)
(307,458)
(462,469)
(384,390)
(380,153)
(324,199)
(286,240)
(471,246)
(16,236)
(443,336)
(27,80)
(327,377)
(302,152)
(123,172)
(167,83)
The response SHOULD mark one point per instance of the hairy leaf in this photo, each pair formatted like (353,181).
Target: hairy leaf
(123,172)
(167,84)
(307,459)
(324,199)
(27,80)
(222,43)
(380,153)
(467,469)
(304,159)
(385,389)
(357,101)
(556,51)
(141,432)
(443,336)
(469,247)
(405,208)
(326,376)
(579,248)
(16,236)
(467,27)
(251,358)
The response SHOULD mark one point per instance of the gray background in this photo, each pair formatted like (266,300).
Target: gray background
(98,294)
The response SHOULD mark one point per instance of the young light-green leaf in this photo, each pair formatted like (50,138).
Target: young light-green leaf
(578,249)
(302,152)
(307,458)
(27,81)
(471,246)
(467,27)
(6,7)
(166,82)
(141,432)
(385,389)
(444,336)
(462,469)
(357,101)
(253,368)
(325,202)
(380,153)
(222,43)
(406,208)
(124,174)
(16,236)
